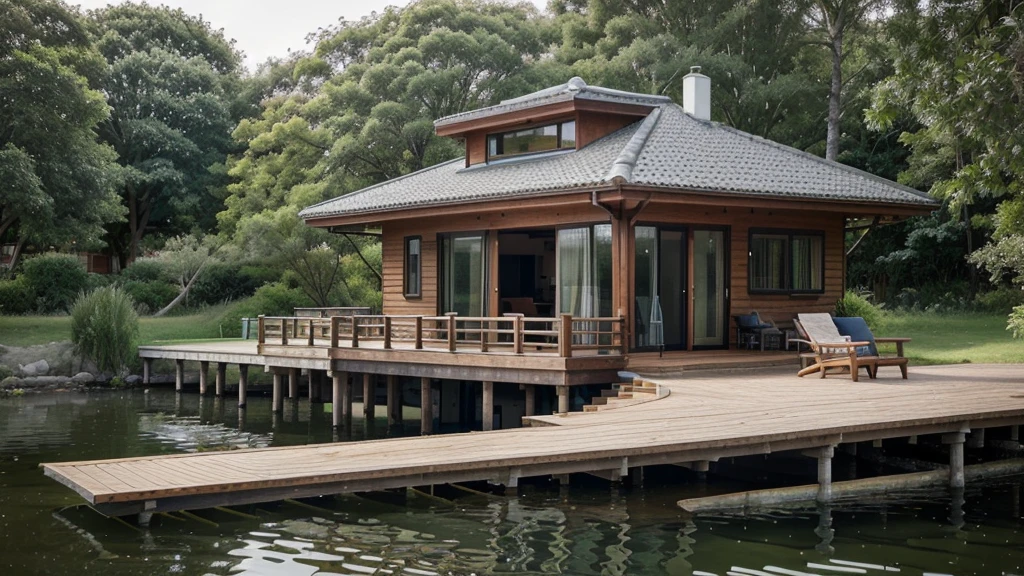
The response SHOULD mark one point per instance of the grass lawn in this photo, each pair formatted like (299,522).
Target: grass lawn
(30,330)
(954,338)
(937,338)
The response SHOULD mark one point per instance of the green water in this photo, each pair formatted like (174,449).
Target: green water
(588,529)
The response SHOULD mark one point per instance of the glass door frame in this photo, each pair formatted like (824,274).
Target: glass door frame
(690,278)
(684,263)
(442,286)
(726,283)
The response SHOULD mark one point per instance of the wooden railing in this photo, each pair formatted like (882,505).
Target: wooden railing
(514,334)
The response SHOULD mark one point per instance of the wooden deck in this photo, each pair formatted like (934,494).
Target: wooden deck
(708,415)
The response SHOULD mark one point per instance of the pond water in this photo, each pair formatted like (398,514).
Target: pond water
(589,528)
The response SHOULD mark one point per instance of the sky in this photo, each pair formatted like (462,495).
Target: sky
(263,28)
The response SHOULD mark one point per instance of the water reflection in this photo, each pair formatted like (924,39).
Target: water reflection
(582,529)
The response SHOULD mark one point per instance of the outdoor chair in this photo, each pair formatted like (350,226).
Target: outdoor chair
(751,330)
(831,349)
(857,329)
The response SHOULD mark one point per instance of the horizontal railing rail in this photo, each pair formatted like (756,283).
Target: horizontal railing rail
(513,334)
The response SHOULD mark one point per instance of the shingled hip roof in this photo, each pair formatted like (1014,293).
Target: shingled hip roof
(668,149)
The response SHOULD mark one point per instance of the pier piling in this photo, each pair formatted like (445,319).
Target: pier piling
(488,405)
(278,404)
(293,383)
(219,381)
(243,383)
(179,375)
(956,458)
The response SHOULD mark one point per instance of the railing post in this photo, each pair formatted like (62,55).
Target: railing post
(452,336)
(419,333)
(295,327)
(623,340)
(355,332)
(484,324)
(565,336)
(312,332)
(387,332)
(335,328)
(517,334)
(284,332)
(261,336)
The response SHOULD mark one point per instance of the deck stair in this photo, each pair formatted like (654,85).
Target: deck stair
(626,394)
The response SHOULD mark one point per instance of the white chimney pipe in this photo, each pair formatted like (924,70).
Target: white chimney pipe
(697,94)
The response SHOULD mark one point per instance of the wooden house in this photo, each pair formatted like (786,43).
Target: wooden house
(599,203)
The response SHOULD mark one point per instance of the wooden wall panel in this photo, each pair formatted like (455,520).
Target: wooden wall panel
(476,147)
(779,307)
(393,246)
(593,125)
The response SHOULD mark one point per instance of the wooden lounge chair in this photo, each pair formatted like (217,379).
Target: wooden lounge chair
(857,329)
(831,349)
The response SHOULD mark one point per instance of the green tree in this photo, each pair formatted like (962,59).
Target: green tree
(959,73)
(57,183)
(171,116)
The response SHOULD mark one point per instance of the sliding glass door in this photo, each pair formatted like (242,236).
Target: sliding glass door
(584,261)
(463,270)
(660,287)
(709,288)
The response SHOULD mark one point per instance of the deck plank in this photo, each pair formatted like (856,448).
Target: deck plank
(714,410)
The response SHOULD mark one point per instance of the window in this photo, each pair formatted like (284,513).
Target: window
(787,261)
(412,266)
(532,140)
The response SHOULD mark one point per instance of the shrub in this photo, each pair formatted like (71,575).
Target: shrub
(150,296)
(55,280)
(1000,301)
(146,270)
(105,328)
(15,296)
(98,281)
(853,304)
(1016,323)
(5,372)
(275,299)
(223,282)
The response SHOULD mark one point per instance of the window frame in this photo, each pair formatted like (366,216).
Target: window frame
(558,139)
(789,234)
(418,293)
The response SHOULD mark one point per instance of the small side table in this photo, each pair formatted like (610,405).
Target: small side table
(771,339)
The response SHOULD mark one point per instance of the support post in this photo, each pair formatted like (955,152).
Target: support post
(293,383)
(278,404)
(825,474)
(426,407)
(369,395)
(565,336)
(219,380)
(147,370)
(179,375)
(339,381)
(488,406)
(243,382)
(394,400)
(346,398)
(1015,434)
(563,399)
(314,385)
(956,458)
(531,399)
(204,377)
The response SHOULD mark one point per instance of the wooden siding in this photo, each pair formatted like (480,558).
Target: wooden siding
(476,147)
(393,246)
(780,307)
(593,125)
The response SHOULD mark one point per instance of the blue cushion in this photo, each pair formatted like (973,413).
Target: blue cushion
(857,329)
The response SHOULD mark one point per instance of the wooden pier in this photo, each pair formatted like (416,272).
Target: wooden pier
(707,416)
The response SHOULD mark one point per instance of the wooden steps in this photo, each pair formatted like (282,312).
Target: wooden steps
(626,394)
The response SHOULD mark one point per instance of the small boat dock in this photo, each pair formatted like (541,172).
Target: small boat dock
(701,418)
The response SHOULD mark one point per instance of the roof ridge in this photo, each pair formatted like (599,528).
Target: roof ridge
(816,158)
(379,184)
(622,167)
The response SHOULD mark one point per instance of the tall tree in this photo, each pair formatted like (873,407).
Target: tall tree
(57,183)
(831,22)
(171,116)
(960,74)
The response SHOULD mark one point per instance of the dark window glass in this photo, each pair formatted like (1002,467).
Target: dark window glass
(412,266)
(787,262)
(531,140)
